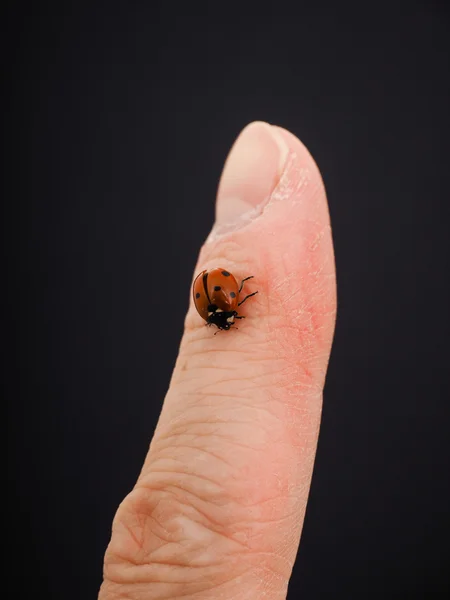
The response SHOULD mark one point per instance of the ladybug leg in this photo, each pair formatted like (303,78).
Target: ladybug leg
(249,296)
(237,317)
(242,282)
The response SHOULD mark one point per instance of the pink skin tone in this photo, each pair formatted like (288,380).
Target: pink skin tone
(218,508)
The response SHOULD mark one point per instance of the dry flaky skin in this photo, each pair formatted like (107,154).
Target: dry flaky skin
(218,508)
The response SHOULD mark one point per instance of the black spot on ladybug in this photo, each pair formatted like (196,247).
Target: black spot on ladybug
(197,295)
(217,288)
(232,294)
(225,273)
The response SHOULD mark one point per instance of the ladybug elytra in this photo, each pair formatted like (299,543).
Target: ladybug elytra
(216,297)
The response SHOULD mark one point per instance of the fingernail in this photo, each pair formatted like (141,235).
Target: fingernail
(252,171)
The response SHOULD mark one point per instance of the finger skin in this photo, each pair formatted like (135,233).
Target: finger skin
(219,505)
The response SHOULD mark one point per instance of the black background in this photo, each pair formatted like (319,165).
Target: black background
(121,115)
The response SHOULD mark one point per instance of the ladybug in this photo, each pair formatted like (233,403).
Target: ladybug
(216,297)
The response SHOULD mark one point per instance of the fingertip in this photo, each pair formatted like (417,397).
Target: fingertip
(251,172)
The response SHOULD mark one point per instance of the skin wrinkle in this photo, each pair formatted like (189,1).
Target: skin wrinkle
(251,345)
(213,486)
(271,370)
(216,396)
(232,368)
(206,441)
(255,393)
(206,451)
(301,390)
(228,406)
(223,403)
(253,350)
(230,530)
(176,564)
(140,519)
(187,587)
(110,588)
(247,371)
(213,430)
(169,436)
(147,574)
(192,425)
(213,436)
(283,493)
(276,421)
(218,525)
(210,354)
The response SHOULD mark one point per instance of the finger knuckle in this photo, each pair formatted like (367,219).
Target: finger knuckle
(164,535)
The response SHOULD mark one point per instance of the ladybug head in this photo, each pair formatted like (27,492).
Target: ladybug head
(222,319)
